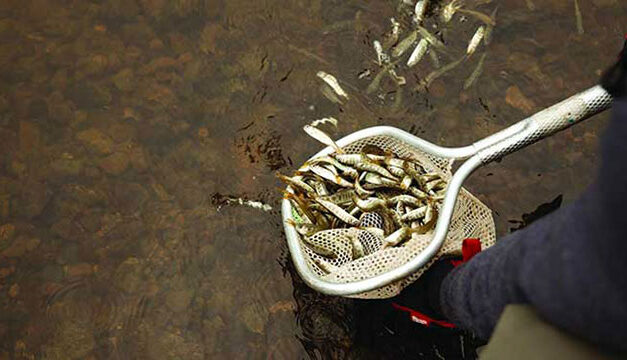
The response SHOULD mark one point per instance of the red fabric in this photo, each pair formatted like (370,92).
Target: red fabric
(470,248)
(421,318)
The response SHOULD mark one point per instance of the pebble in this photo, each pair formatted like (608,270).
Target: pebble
(515,98)
(253,317)
(115,164)
(178,301)
(96,141)
(7,231)
(78,270)
(124,80)
(30,137)
(21,246)
(64,167)
(34,196)
(128,275)
(156,44)
(14,290)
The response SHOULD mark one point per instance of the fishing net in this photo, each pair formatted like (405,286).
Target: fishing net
(471,219)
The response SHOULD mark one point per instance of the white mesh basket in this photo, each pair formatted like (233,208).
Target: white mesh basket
(471,219)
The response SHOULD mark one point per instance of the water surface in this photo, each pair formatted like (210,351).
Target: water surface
(126,125)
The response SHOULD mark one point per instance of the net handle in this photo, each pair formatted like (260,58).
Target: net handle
(543,124)
(526,132)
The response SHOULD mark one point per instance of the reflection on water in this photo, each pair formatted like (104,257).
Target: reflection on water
(123,124)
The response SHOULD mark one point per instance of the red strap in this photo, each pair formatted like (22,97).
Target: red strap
(421,318)
(470,248)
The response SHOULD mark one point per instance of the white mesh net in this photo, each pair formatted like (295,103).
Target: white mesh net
(471,219)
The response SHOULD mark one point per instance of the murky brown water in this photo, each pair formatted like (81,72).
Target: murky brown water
(125,124)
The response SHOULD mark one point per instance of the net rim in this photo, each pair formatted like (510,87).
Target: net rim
(398,274)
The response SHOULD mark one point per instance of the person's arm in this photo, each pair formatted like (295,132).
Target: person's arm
(571,265)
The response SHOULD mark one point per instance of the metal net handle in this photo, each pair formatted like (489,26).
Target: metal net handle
(547,122)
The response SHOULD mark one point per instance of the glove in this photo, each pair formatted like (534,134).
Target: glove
(614,80)
(421,300)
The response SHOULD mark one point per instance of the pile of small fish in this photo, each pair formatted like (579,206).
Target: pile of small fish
(335,191)
(426,43)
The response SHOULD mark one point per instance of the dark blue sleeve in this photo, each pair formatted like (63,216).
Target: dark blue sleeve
(570,265)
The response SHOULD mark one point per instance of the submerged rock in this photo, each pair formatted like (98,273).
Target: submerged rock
(124,80)
(88,94)
(34,196)
(7,232)
(95,140)
(21,246)
(515,98)
(254,317)
(73,339)
(115,164)
(179,300)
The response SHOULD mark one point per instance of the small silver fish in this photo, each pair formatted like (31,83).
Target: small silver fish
(487,38)
(322,137)
(415,214)
(419,51)
(479,15)
(435,184)
(392,161)
(358,248)
(475,41)
(434,41)
(369,204)
(328,93)
(405,199)
(425,178)
(399,80)
(418,193)
(333,83)
(396,171)
(376,81)
(361,192)
(349,171)
(321,188)
(376,179)
(296,182)
(406,182)
(364,74)
(325,266)
(435,61)
(439,72)
(305,229)
(396,26)
(449,10)
(405,44)
(367,165)
(250,203)
(330,176)
(430,213)
(579,19)
(419,11)
(338,212)
(329,120)
(476,73)
(352,159)
(382,57)
(397,237)
(342,197)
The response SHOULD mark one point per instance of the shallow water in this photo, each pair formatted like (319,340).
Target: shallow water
(126,125)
